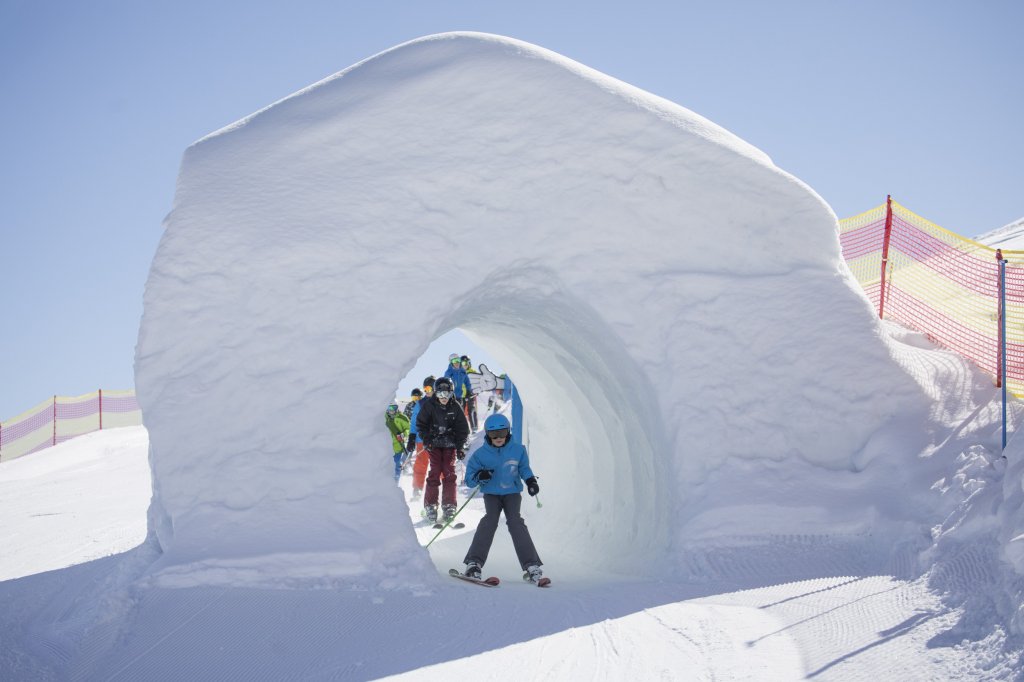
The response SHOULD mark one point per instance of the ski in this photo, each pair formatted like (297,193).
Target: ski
(543,582)
(486,582)
(440,525)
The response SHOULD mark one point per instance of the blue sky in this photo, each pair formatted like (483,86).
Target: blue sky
(922,100)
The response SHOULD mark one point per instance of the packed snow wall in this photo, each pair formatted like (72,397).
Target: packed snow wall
(648,279)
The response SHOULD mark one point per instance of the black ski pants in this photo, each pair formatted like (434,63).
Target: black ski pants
(484,536)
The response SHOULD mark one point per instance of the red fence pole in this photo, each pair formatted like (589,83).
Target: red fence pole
(101,409)
(885,253)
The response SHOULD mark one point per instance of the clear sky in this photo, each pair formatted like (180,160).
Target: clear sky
(923,100)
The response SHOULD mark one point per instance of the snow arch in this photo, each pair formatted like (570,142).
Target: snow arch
(638,266)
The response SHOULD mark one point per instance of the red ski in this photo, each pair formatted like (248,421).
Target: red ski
(486,582)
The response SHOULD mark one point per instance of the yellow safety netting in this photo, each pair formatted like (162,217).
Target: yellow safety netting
(61,418)
(941,284)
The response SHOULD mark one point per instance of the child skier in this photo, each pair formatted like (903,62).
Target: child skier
(500,467)
(460,382)
(470,401)
(398,425)
(441,425)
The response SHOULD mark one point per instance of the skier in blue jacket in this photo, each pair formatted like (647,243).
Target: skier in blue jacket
(460,381)
(499,467)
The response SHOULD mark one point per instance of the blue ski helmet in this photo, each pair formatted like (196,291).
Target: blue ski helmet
(497,425)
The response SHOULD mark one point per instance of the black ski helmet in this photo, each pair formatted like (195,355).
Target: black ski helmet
(443,384)
(429,381)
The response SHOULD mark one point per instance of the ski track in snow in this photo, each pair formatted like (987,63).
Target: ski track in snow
(843,627)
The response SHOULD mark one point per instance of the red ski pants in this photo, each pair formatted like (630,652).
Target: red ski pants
(442,463)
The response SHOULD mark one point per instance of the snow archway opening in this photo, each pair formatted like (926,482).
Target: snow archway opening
(592,433)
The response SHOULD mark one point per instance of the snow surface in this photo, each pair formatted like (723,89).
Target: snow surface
(1009,237)
(745,474)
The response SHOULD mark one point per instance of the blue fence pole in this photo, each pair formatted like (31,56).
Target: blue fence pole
(1002,337)
(517,410)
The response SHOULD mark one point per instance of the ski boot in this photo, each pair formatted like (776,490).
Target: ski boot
(449,512)
(536,576)
(473,570)
(430,512)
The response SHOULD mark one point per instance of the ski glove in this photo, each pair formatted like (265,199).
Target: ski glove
(531,486)
(484,475)
(460,455)
(410,445)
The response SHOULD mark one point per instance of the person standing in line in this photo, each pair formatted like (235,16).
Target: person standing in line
(470,401)
(460,381)
(398,425)
(411,408)
(421,459)
(442,425)
(414,397)
(500,467)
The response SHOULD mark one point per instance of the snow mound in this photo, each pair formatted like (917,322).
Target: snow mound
(691,350)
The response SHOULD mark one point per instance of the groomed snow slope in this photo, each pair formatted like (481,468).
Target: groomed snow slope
(96,620)
(673,307)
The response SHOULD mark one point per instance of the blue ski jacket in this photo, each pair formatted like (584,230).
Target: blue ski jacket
(412,419)
(510,465)
(460,382)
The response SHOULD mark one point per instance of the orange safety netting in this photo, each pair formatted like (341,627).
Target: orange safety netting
(940,284)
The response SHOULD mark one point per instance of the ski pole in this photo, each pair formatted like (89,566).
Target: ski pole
(408,456)
(537,497)
(475,491)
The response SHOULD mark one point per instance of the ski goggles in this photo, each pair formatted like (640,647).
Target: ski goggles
(392,409)
(444,394)
(500,433)
(456,362)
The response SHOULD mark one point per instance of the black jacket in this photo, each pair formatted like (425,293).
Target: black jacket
(442,426)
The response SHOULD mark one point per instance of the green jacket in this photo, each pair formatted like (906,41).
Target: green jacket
(398,425)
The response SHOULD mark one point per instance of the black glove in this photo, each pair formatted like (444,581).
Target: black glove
(460,455)
(484,475)
(410,445)
(531,486)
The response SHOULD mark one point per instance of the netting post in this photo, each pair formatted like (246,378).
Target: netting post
(54,420)
(1000,327)
(101,409)
(1002,334)
(885,254)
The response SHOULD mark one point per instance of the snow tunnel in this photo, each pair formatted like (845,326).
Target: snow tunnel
(585,230)
(594,437)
